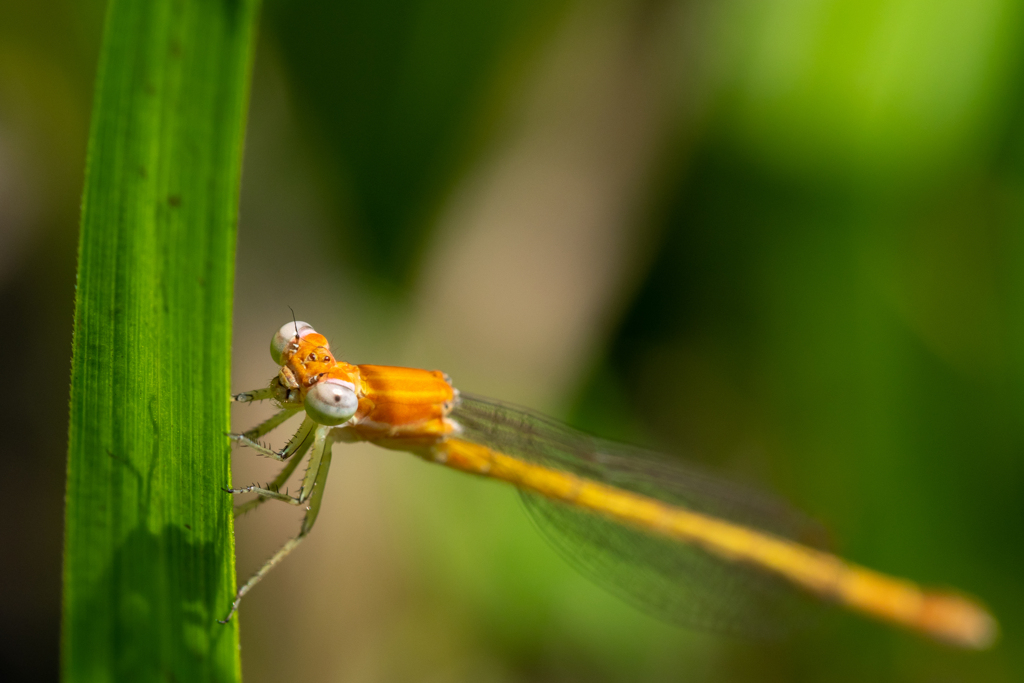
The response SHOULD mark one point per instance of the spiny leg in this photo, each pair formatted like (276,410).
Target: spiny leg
(321,451)
(257,395)
(308,480)
(266,493)
(301,438)
(275,485)
(270,424)
(319,465)
(309,433)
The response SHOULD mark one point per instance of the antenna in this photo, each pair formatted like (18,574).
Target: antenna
(294,321)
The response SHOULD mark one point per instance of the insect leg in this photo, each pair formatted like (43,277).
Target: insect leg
(320,463)
(270,424)
(275,485)
(301,438)
(257,395)
(297,445)
(278,482)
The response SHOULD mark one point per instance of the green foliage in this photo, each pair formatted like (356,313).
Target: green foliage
(395,91)
(148,565)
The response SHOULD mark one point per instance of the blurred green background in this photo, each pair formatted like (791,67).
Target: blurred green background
(783,237)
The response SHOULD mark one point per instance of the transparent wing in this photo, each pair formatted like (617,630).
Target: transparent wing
(673,581)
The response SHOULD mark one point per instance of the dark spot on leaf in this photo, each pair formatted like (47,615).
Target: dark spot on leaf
(174,200)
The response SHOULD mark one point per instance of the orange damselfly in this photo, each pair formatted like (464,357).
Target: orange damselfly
(679,543)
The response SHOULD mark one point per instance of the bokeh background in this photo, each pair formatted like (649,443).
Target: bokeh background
(783,237)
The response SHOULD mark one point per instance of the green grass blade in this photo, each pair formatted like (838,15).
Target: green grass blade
(149,557)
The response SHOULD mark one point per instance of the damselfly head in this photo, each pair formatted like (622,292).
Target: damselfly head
(291,331)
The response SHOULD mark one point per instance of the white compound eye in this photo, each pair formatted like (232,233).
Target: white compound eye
(331,402)
(284,335)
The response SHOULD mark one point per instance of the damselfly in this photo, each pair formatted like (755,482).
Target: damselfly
(679,543)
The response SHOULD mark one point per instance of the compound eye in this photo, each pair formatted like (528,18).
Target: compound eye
(331,402)
(284,336)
